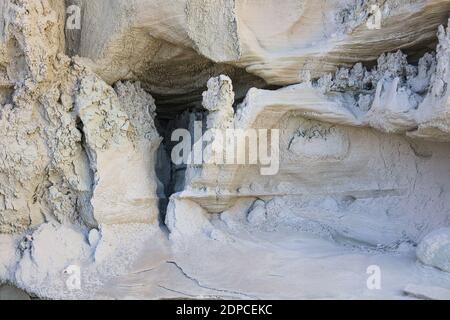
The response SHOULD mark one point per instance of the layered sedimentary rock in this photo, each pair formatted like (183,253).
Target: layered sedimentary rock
(62,129)
(339,114)
(269,40)
(326,166)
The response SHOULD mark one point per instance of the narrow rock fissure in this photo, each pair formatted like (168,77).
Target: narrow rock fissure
(169,174)
(85,206)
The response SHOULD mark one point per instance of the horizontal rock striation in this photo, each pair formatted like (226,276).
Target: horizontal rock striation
(344,119)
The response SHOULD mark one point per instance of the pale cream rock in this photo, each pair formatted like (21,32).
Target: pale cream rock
(434,249)
(50,250)
(269,40)
(218,100)
(46,172)
(10,255)
(257,213)
(115,142)
(185,218)
(330,172)
(40,137)
(94,237)
(318,141)
(364,153)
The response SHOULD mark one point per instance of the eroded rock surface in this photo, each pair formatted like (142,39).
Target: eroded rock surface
(355,171)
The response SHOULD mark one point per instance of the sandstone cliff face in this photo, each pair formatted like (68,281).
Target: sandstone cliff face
(354,97)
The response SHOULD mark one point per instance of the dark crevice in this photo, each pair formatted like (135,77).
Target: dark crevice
(175,111)
(82,201)
(171,106)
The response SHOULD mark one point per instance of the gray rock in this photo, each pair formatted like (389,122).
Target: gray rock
(8,292)
(434,249)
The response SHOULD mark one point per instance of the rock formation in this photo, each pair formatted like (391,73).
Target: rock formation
(118,121)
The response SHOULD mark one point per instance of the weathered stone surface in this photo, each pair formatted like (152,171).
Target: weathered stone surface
(434,249)
(269,40)
(119,134)
(355,171)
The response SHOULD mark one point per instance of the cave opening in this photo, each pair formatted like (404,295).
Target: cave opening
(180,111)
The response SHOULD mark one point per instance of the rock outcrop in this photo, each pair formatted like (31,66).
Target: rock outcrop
(148,146)
(434,249)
